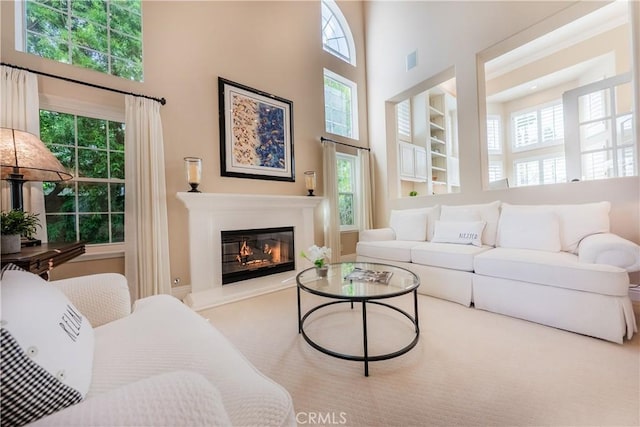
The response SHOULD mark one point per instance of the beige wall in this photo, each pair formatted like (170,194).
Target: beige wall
(447,34)
(275,47)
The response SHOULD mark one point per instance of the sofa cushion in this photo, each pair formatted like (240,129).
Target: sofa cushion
(392,250)
(528,229)
(459,232)
(446,255)
(488,212)
(560,269)
(577,221)
(47,349)
(414,224)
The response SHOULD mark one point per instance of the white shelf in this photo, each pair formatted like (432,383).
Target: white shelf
(437,169)
(436,154)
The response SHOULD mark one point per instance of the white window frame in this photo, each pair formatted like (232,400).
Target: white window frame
(96,111)
(540,143)
(403,115)
(346,31)
(540,161)
(354,101)
(356,190)
(496,121)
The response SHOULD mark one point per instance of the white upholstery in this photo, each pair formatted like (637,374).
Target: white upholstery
(559,269)
(607,248)
(446,255)
(393,250)
(137,357)
(178,398)
(543,252)
(488,212)
(601,316)
(376,235)
(529,229)
(102,298)
(409,224)
(459,232)
(577,221)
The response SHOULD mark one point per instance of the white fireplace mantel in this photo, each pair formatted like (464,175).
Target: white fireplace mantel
(211,213)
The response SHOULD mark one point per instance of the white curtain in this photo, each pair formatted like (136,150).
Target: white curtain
(331,214)
(365,208)
(147,241)
(20,109)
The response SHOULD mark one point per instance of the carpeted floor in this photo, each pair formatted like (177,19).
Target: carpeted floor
(469,367)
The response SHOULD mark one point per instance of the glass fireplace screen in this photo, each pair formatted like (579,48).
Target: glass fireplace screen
(247,254)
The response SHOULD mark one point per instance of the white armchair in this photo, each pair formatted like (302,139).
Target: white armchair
(160,364)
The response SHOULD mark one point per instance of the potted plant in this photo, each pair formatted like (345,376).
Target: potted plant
(318,256)
(13,225)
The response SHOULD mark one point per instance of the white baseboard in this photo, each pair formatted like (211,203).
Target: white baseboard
(181,292)
(634,293)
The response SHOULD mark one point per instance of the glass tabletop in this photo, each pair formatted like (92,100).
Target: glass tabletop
(359,280)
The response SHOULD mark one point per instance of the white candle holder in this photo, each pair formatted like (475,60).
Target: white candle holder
(193,169)
(310,182)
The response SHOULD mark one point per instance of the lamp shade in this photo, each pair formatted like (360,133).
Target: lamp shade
(23,153)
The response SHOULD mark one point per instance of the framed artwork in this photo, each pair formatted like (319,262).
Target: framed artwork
(256,133)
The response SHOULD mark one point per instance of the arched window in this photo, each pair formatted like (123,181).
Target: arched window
(336,35)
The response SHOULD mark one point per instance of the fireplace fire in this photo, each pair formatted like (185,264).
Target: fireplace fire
(255,253)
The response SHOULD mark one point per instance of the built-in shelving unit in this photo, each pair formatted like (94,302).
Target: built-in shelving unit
(428,158)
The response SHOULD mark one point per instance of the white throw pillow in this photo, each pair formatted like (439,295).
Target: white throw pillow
(575,221)
(48,346)
(459,232)
(488,212)
(412,224)
(529,229)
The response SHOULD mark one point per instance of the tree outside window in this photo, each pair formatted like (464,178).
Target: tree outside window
(89,208)
(101,35)
(347,194)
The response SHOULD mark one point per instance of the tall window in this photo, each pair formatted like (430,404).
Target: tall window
(336,35)
(403,120)
(340,105)
(549,170)
(542,126)
(494,134)
(347,191)
(91,206)
(103,35)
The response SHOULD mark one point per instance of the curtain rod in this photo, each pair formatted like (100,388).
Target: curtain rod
(162,101)
(323,139)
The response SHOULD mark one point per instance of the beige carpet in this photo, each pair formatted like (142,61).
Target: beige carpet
(470,367)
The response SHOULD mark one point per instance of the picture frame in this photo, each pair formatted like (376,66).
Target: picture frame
(256,133)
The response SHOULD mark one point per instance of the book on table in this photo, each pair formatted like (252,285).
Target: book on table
(372,276)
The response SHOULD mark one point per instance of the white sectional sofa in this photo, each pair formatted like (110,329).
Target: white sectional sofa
(74,354)
(557,265)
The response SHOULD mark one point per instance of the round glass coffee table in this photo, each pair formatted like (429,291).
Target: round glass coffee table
(365,283)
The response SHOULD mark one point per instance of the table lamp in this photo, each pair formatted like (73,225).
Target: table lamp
(24,157)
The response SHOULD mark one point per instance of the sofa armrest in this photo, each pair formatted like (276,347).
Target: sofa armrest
(171,399)
(101,298)
(610,249)
(376,235)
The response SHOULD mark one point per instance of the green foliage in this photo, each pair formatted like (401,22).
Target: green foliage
(413,193)
(102,35)
(19,222)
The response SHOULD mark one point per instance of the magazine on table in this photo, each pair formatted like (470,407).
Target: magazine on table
(361,275)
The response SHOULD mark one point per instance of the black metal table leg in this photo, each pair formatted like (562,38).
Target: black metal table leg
(364,334)
(415,310)
(299,312)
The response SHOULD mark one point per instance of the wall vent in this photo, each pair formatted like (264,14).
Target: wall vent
(412,60)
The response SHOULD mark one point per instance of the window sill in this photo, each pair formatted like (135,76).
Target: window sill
(98,252)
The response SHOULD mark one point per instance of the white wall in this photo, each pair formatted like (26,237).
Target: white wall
(447,34)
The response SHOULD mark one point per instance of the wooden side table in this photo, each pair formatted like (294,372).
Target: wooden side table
(41,259)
